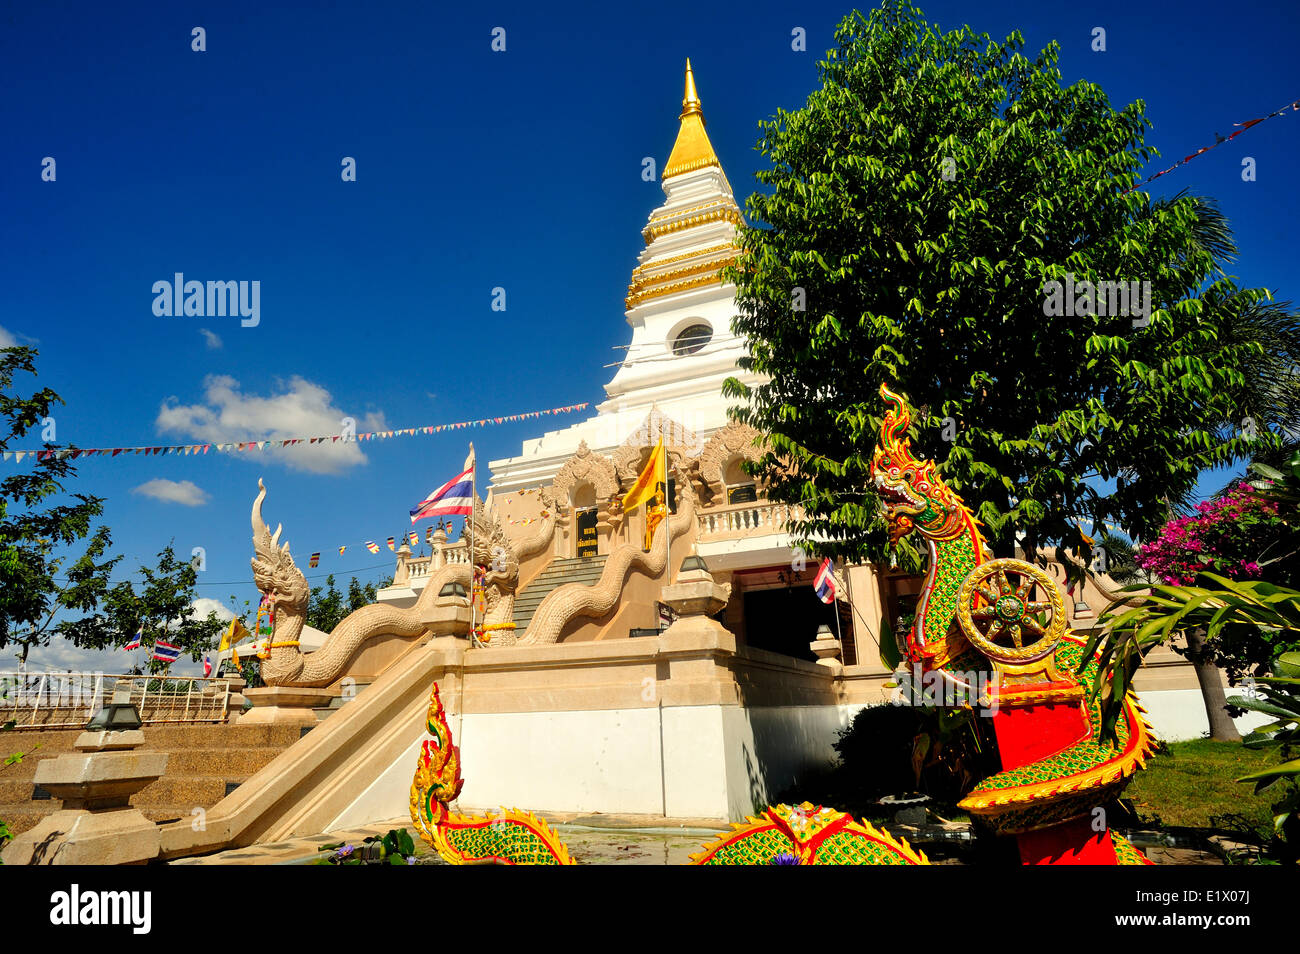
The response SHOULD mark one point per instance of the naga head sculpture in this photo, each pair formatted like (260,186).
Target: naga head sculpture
(274,571)
(914,495)
(493,550)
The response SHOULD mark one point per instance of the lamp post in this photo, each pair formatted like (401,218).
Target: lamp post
(97,825)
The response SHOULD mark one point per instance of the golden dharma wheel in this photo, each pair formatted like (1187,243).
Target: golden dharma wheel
(999,614)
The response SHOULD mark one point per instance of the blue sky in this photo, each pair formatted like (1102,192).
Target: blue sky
(475,170)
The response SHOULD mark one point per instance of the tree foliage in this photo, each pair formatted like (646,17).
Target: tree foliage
(39,577)
(161,605)
(327,607)
(1244,624)
(916,207)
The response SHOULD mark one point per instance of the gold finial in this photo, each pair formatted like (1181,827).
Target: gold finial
(691,101)
(692,149)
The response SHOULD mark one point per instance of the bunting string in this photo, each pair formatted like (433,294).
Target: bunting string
(1218,141)
(412,538)
(235,447)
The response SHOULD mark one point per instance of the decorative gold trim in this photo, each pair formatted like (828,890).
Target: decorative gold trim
(711,204)
(1140,748)
(730,214)
(643,289)
(684,167)
(641,298)
(711,250)
(1009,698)
(645,281)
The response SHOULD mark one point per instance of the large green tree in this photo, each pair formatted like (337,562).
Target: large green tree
(41,578)
(915,211)
(161,604)
(327,607)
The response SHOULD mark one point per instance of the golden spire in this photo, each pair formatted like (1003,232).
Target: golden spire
(691,101)
(692,150)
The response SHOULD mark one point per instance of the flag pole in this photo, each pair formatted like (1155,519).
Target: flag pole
(668,541)
(473,567)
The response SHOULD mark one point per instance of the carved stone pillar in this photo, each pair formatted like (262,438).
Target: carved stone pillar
(402,575)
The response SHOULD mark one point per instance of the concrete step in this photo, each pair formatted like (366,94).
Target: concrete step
(220,762)
(202,790)
(203,760)
(15,791)
(568,570)
(23,816)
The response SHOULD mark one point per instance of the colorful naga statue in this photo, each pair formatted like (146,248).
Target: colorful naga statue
(509,838)
(805,834)
(1002,624)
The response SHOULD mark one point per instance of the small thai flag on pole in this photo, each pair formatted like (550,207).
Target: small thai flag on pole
(207,666)
(166,652)
(135,640)
(456,496)
(824,582)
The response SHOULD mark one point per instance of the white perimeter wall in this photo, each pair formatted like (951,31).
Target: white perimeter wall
(1179,714)
(701,762)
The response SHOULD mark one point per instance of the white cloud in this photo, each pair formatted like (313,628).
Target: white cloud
(212,338)
(184,492)
(206,604)
(61,655)
(7,338)
(302,409)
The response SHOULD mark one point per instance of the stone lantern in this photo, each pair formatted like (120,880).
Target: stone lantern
(450,613)
(826,648)
(695,597)
(97,825)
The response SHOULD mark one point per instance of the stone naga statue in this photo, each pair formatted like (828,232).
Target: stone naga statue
(572,600)
(277,576)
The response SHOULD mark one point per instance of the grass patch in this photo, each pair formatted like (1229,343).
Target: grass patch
(1192,784)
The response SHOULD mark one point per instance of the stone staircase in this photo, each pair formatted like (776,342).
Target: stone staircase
(585,570)
(203,762)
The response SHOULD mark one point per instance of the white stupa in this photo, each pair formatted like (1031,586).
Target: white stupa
(680,311)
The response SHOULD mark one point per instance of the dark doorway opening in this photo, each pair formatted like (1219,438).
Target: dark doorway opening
(786,620)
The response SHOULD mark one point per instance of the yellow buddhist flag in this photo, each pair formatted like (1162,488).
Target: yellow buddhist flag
(647,483)
(236,633)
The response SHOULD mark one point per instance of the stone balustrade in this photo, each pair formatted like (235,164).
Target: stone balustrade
(421,567)
(743,519)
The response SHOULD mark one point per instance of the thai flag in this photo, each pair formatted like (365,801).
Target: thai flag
(453,497)
(166,652)
(207,666)
(135,640)
(824,582)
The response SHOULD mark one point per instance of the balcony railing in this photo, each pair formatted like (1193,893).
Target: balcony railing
(69,700)
(421,567)
(743,519)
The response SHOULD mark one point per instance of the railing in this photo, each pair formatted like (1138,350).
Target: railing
(69,700)
(738,520)
(417,567)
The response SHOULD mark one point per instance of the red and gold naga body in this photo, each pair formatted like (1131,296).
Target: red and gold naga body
(1005,620)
